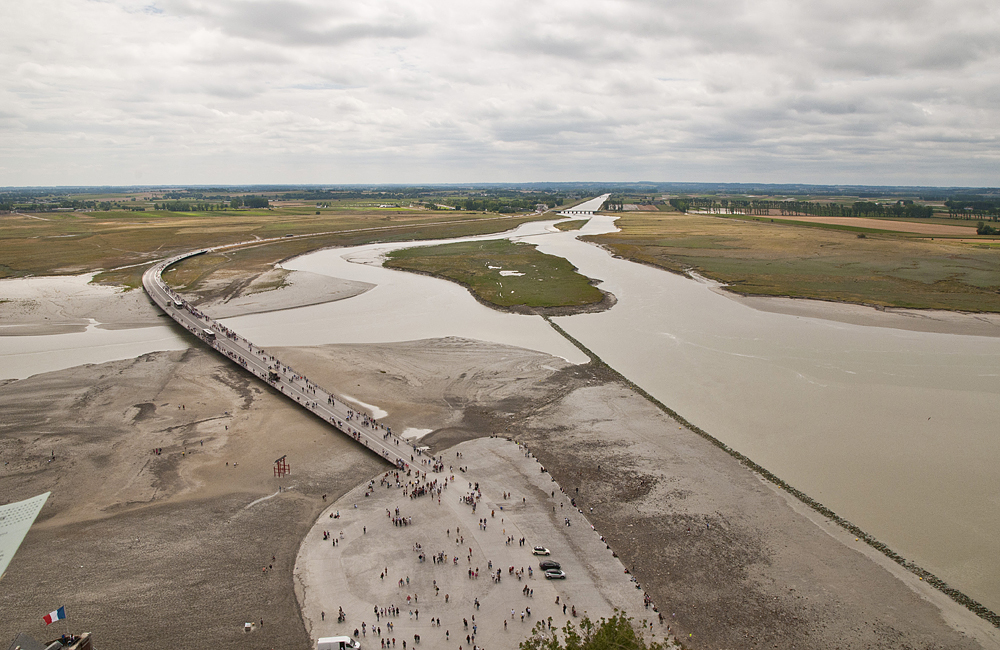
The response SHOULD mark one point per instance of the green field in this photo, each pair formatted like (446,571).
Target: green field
(547,281)
(756,256)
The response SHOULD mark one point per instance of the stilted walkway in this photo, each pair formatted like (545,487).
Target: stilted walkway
(360,426)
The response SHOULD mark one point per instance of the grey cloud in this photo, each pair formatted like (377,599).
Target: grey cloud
(291,23)
(504,90)
(566,46)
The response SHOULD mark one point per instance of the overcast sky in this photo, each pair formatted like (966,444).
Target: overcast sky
(422,91)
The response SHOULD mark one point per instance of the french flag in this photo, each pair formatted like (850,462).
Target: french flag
(57,615)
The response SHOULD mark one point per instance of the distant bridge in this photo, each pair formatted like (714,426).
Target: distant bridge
(587,208)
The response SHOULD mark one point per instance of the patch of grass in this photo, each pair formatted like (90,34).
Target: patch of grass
(547,280)
(785,258)
(575,224)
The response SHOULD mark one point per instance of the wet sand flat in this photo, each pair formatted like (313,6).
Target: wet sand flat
(142,547)
(137,545)
(917,320)
(756,569)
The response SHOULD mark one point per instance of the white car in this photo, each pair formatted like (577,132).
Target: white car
(555,574)
(540,550)
(337,643)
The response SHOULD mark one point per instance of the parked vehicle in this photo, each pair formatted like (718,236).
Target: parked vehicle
(337,643)
(545,565)
(555,574)
(540,550)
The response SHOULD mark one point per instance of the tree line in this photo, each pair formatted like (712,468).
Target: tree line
(766,207)
(615,203)
(973,209)
(504,205)
(202,206)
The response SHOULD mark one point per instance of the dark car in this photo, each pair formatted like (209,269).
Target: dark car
(546,565)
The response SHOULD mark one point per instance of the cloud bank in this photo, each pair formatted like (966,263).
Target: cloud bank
(331,91)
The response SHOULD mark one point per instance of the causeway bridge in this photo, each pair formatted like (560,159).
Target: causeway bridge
(587,208)
(358,425)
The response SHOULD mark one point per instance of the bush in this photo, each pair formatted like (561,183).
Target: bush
(616,633)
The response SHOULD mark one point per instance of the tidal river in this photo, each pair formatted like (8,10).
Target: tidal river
(895,430)
(898,431)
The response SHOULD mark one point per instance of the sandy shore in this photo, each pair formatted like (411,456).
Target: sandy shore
(917,320)
(133,543)
(68,304)
(141,547)
(275,290)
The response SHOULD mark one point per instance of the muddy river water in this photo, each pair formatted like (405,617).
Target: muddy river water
(898,431)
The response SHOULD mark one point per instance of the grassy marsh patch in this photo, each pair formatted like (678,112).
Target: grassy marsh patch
(575,224)
(783,258)
(503,273)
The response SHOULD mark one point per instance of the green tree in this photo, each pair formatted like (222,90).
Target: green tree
(681,205)
(615,633)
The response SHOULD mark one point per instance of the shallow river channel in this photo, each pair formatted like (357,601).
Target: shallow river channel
(897,431)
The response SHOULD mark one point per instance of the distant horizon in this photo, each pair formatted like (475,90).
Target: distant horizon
(636,185)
